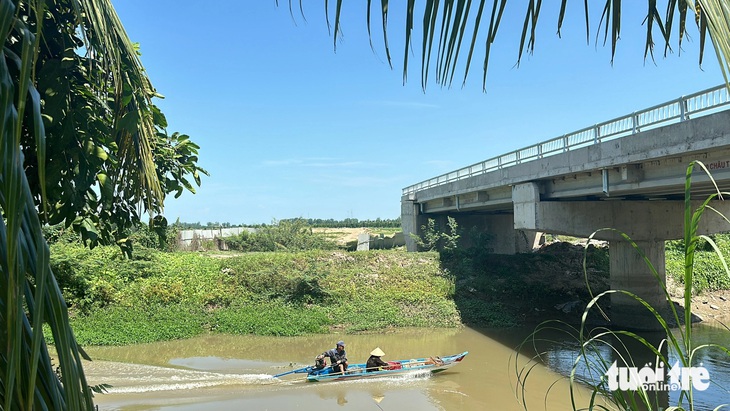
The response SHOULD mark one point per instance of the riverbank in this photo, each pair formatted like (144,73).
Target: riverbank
(162,296)
(710,306)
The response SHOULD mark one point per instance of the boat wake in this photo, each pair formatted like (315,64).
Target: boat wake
(123,378)
(136,378)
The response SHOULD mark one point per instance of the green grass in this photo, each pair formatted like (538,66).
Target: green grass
(275,318)
(161,296)
(178,295)
(133,325)
(708,272)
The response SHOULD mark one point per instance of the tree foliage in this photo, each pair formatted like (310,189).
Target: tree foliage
(434,237)
(108,154)
(82,145)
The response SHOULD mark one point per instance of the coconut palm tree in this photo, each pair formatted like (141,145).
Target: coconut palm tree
(70,79)
(454,32)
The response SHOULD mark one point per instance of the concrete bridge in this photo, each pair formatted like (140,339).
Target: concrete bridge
(627,174)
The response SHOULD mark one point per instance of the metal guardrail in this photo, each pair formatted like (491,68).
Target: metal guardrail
(675,111)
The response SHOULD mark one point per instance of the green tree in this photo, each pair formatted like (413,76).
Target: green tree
(430,236)
(434,237)
(82,145)
(451,238)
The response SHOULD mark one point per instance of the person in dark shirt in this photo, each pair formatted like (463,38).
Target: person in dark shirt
(337,356)
(374,362)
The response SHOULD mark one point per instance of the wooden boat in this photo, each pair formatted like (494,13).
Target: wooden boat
(358,371)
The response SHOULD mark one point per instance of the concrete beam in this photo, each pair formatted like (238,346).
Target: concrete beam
(640,220)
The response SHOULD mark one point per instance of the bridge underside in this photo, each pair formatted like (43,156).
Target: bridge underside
(633,185)
(647,223)
(638,268)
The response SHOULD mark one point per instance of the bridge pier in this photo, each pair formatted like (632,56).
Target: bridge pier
(648,223)
(630,272)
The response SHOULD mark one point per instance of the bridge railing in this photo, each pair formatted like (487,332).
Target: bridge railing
(700,103)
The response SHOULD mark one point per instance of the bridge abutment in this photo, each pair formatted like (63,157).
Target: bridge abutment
(497,231)
(411,221)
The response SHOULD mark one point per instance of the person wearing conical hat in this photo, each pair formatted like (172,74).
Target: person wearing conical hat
(374,362)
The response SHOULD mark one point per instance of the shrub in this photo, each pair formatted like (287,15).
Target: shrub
(433,237)
(286,235)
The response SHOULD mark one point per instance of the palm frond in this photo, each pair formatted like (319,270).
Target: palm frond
(452,23)
(715,18)
(30,296)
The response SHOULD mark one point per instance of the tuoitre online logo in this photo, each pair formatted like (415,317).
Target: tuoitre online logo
(652,379)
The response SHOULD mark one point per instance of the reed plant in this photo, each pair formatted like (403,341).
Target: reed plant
(600,349)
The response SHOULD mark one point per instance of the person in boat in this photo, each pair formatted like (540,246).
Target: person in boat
(374,362)
(337,356)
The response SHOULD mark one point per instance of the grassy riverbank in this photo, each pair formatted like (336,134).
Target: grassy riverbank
(161,296)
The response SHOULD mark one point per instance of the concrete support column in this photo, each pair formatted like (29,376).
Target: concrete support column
(411,222)
(631,273)
(526,199)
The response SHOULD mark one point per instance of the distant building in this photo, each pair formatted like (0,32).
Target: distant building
(207,239)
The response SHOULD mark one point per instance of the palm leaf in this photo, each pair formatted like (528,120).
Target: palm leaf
(715,18)
(447,23)
(30,295)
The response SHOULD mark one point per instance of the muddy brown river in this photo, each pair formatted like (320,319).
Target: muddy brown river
(219,372)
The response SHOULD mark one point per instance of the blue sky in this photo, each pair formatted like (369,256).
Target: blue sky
(290,128)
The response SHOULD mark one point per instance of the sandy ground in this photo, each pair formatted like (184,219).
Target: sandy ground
(342,235)
(713,305)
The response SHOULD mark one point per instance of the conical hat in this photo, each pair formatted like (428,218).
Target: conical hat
(377,352)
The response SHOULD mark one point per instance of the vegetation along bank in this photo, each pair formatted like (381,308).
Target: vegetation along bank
(161,295)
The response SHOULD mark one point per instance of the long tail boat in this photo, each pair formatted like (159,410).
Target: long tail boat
(358,371)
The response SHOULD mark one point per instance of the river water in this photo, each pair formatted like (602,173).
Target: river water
(219,372)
